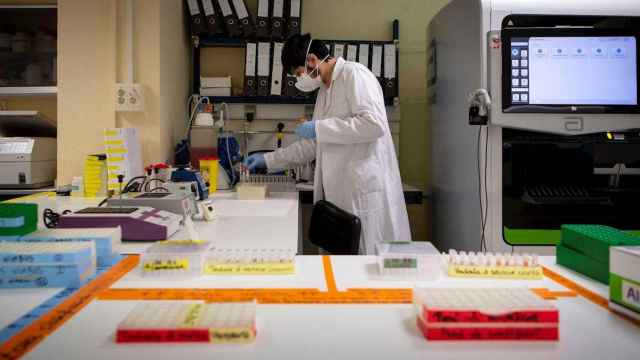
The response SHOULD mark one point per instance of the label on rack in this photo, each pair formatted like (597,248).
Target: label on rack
(631,294)
(14,222)
(232,335)
(506,272)
(162,336)
(166,265)
(407,263)
(443,316)
(487,333)
(250,269)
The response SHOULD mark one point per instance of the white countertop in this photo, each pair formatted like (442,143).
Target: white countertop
(347,331)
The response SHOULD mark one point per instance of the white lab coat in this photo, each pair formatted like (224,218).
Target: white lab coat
(356,164)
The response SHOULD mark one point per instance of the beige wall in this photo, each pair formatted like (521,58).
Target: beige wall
(86,73)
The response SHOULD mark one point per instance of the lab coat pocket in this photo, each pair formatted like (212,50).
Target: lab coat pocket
(367,182)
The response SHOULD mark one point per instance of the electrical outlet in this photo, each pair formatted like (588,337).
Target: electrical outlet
(129,97)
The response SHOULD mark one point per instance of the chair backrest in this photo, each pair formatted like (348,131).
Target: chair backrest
(334,229)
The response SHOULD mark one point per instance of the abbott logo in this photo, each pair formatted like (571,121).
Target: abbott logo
(574,123)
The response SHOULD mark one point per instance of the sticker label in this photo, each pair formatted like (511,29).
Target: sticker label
(207,5)
(15,222)
(249,269)
(507,272)
(241,10)
(166,265)
(225,7)
(631,294)
(193,7)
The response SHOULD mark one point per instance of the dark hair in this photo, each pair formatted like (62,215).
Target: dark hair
(295,50)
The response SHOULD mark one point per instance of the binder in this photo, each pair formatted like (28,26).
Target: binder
(277,20)
(250,82)
(376,62)
(338,50)
(390,84)
(264,54)
(276,70)
(363,55)
(293,17)
(230,19)
(262,20)
(197,20)
(245,19)
(352,53)
(290,88)
(213,24)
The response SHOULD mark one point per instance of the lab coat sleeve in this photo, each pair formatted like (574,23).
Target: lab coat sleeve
(366,125)
(297,154)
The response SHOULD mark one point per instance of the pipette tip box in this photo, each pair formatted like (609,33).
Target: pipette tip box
(45,264)
(418,260)
(257,261)
(624,280)
(177,322)
(107,240)
(18,219)
(485,314)
(174,259)
(493,265)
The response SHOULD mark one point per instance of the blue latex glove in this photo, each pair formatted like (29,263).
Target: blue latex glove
(307,130)
(255,162)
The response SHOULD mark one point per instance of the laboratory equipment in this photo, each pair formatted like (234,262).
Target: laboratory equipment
(417,260)
(229,155)
(209,167)
(181,203)
(251,191)
(183,174)
(255,261)
(45,264)
(107,240)
(137,223)
(96,177)
(124,155)
(624,280)
(17,219)
(271,182)
(176,322)
(174,259)
(585,248)
(546,157)
(27,162)
(493,265)
(484,314)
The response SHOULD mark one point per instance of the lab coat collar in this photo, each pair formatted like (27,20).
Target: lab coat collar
(337,69)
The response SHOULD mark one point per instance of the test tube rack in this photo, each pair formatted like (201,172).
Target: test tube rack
(418,260)
(46,264)
(176,322)
(484,314)
(256,261)
(493,265)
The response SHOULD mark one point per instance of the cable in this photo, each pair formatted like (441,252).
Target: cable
(233,173)
(486,190)
(147,187)
(480,197)
(52,218)
(164,189)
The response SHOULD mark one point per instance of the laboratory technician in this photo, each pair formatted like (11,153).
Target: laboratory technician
(349,138)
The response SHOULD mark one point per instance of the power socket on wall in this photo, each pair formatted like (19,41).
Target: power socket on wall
(129,97)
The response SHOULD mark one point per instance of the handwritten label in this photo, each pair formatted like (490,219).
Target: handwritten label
(166,265)
(507,272)
(250,269)
(232,335)
(407,263)
(192,315)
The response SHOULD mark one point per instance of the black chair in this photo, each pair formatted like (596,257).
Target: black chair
(334,230)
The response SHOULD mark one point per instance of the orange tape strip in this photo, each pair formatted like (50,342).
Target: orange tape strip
(37,331)
(328,274)
(553,295)
(581,290)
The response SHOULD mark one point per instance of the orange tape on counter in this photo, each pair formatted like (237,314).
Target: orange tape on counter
(581,290)
(37,331)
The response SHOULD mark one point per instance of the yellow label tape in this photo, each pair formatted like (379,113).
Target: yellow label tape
(506,272)
(192,315)
(286,268)
(114,142)
(164,265)
(111,133)
(117,151)
(232,335)
(113,159)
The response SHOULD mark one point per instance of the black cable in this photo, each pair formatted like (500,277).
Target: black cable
(103,201)
(146,185)
(52,218)
(486,191)
(128,187)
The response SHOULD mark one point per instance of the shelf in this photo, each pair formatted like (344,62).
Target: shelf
(217,41)
(26,124)
(28,90)
(285,100)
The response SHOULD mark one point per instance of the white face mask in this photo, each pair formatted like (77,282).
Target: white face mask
(306,83)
